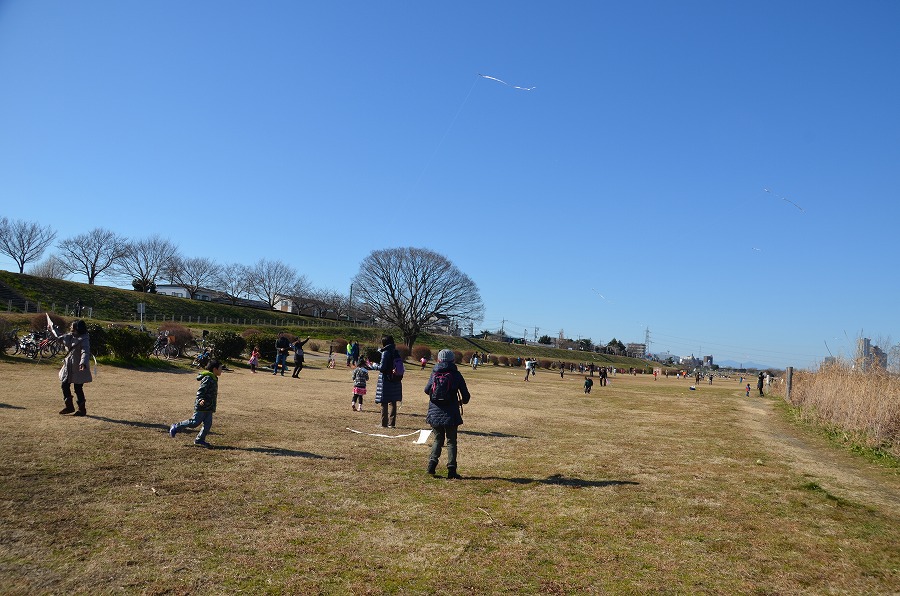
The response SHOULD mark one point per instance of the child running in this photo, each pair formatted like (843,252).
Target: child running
(588,383)
(204,405)
(254,359)
(360,378)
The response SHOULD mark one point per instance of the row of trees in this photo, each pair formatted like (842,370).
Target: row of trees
(407,288)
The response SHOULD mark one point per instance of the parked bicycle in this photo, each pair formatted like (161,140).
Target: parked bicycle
(165,347)
(11,342)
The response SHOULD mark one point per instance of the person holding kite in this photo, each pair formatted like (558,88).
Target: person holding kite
(76,369)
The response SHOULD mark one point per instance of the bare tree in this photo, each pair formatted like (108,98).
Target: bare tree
(193,274)
(233,281)
(270,281)
(410,287)
(24,241)
(93,253)
(332,301)
(50,268)
(145,259)
(302,294)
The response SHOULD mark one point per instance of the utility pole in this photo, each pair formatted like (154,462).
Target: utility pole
(647,340)
(535,333)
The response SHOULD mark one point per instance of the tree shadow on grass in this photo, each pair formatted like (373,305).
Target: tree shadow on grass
(560,480)
(12,407)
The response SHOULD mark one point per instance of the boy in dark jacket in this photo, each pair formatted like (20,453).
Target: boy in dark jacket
(447,390)
(204,405)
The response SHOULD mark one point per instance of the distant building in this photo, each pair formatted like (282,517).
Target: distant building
(868,355)
(708,361)
(636,350)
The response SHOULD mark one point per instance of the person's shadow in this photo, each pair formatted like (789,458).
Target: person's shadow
(276,451)
(560,480)
(12,407)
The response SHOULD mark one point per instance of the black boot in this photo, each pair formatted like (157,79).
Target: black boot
(68,409)
(81,411)
(432,467)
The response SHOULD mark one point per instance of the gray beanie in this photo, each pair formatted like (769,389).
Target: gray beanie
(445,356)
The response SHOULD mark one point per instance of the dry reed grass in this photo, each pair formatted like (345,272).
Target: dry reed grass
(863,405)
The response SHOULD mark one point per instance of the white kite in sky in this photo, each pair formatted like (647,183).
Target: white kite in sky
(505,83)
(785,199)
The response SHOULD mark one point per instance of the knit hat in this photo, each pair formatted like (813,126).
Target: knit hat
(445,356)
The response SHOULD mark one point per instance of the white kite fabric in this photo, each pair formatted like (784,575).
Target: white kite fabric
(505,83)
(423,435)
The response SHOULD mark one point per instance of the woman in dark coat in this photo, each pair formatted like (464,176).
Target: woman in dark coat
(76,368)
(389,391)
(444,415)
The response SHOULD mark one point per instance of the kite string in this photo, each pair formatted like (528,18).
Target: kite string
(441,142)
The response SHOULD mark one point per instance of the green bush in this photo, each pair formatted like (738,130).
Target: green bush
(128,344)
(227,344)
(99,340)
(265,340)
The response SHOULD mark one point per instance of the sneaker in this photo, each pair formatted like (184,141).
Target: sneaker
(202,444)
(172,430)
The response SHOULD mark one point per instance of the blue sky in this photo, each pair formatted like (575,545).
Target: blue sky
(624,192)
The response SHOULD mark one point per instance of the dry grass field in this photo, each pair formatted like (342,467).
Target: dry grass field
(642,487)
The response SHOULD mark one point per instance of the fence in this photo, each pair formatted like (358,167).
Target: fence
(27,306)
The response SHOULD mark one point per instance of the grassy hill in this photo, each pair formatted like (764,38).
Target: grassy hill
(119,305)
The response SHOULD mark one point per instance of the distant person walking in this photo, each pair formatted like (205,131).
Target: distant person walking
(759,384)
(76,367)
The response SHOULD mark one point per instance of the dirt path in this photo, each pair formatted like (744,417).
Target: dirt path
(841,474)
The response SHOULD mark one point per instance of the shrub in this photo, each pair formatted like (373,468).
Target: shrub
(457,357)
(339,345)
(494,359)
(128,344)
(420,351)
(403,351)
(5,329)
(545,364)
(503,360)
(467,356)
(265,340)
(39,323)
(371,353)
(227,344)
(314,346)
(99,340)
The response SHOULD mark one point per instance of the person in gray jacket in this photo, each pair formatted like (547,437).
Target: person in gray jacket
(447,391)
(76,368)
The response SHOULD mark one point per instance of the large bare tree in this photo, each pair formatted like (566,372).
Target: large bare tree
(302,294)
(271,281)
(92,253)
(410,287)
(24,241)
(193,274)
(145,259)
(233,281)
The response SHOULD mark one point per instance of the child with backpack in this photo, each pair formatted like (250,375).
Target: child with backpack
(360,378)
(447,391)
